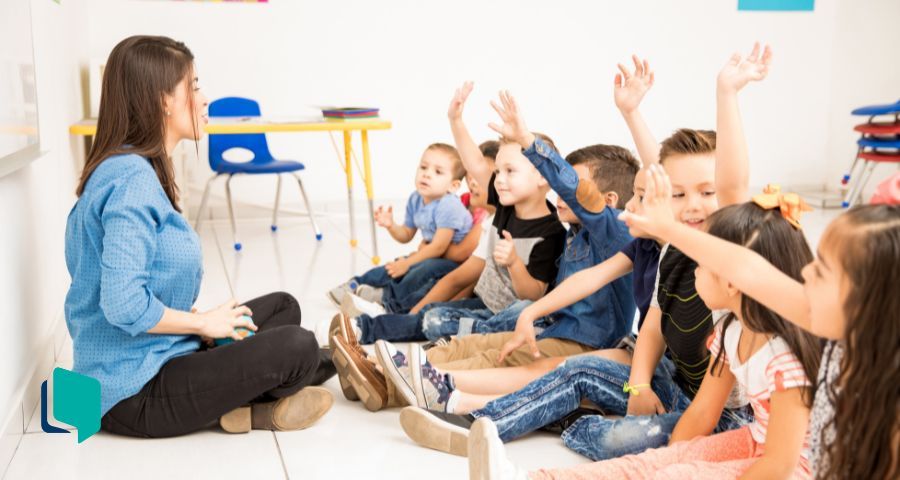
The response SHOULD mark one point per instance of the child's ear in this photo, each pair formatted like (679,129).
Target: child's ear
(612,199)
(731,290)
(454,185)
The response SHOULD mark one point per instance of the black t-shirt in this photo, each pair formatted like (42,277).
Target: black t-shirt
(539,242)
(644,256)
(686,321)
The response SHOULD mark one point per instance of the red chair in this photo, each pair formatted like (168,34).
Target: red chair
(879,142)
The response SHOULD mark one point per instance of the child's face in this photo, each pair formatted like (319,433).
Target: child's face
(517,180)
(562,209)
(693,187)
(826,289)
(634,204)
(434,178)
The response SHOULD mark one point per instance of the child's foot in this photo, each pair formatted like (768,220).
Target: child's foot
(370,293)
(487,457)
(354,306)
(294,412)
(431,387)
(440,431)
(337,293)
(355,370)
(396,369)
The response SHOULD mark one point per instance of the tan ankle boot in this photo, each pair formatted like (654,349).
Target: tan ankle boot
(295,412)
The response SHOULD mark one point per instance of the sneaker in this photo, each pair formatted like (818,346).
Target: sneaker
(440,431)
(431,387)
(438,342)
(370,293)
(396,369)
(354,306)
(354,368)
(337,293)
(294,412)
(487,456)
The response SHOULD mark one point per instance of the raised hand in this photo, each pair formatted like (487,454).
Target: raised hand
(740,71)
(513,127)
(384,217)
(505,251)
(657,215)
(454,112)
(630,87)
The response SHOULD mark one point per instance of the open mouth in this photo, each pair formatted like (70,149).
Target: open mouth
(694,222)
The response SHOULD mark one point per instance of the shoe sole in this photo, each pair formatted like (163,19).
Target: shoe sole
(431,432)
(334,301)
(479,451)
(348,308)
(364,390)
(346,388)
(414,356)
(302,409)
(237,420)
(393,375)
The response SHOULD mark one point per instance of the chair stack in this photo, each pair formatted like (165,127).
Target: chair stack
(879,142)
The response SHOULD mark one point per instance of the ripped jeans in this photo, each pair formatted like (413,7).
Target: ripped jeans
(556,394)
(450,320)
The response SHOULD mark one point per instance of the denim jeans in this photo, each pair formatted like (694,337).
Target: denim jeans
(396,327)
(599,380)
(401,294)
(452,320)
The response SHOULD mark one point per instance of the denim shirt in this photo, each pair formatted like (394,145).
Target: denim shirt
(605,316)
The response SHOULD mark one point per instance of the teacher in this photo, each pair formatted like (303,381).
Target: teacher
(136,267)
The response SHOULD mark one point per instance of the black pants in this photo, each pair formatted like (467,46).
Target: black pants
(192,391)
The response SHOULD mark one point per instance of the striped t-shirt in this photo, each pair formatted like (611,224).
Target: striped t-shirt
(772,368)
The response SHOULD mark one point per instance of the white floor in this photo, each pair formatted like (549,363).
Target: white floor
(348,442)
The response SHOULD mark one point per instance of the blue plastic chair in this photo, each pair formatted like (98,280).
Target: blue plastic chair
(262,162)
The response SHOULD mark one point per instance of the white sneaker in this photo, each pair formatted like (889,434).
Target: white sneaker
(369,293)
(487,456)
(361,306)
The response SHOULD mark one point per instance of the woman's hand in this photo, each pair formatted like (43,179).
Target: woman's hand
(513,127)
(221,321)
(630,87)
(645,403)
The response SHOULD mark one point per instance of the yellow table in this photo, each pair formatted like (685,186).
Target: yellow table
(220,125)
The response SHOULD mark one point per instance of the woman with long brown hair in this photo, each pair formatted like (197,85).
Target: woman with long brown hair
(136,268)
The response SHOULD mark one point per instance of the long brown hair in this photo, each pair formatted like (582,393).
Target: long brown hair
(767,233)
(140,71)
(866,398)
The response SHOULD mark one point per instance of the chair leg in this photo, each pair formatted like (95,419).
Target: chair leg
(277,201)
(203,201)
(237,245)
(312,217)
(866,174)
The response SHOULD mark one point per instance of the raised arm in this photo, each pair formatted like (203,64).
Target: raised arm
(732,158)
(472,159)
(745,269)
(630,88)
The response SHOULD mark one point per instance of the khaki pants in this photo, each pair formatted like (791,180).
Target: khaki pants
(474,352)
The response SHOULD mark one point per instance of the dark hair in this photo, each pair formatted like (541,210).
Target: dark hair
(686,141)
(458,170)
(489,149)
(612,167)
(544,138)
(866,398)
(767,233)
(140,71)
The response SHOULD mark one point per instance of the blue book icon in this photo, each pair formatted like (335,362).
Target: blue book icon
(76,402)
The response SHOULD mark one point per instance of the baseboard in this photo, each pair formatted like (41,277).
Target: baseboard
(26,399)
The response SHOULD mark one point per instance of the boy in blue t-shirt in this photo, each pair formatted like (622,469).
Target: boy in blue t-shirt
(432,209)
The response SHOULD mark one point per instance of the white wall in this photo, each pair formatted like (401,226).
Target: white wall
(558,58)
(34,202)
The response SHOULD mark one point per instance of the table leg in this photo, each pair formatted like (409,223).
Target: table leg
(367,169)
(348,171)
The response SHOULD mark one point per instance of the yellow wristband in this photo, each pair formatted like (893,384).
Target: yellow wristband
(633,389)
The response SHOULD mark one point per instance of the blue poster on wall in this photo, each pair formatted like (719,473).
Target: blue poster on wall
(777,5)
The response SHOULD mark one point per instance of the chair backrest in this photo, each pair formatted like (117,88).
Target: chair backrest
(220,143)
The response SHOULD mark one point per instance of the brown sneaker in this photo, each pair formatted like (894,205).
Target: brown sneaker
(295,412)
(334,331)
(366,380)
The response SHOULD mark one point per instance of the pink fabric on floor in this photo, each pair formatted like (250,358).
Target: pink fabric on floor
(888,191)
(716,457)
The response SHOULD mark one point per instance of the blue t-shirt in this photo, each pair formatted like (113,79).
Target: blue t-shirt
(445,212)
(644,254)
(130,255)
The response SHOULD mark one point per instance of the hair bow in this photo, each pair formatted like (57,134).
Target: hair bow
(790,204)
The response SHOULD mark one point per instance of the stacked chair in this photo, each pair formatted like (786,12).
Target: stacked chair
(879,142)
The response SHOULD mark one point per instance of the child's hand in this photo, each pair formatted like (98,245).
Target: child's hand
(384,217)
(513,127)
(459,101)
(397,268)
(645,403)
(505,251)
(739,72)
(524,335)
(654,214)
(631,87)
